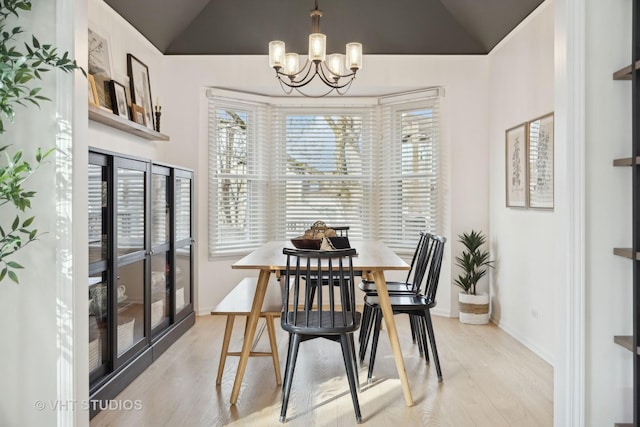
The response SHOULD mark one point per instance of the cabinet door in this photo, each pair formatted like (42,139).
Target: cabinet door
(161,218)
(130,290)
(183,196)
(99,186)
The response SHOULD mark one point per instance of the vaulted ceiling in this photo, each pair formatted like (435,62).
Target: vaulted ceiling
(244,27)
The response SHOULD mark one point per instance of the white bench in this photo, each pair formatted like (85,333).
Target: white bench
(238,303)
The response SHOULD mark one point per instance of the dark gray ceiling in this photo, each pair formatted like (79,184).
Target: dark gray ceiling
(244,27)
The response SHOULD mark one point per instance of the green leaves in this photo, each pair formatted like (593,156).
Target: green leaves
(473,261)
(19,68)
(16,233)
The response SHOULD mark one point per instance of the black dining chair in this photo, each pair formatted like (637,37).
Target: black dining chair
(411,286)
(330,314)
(417,306)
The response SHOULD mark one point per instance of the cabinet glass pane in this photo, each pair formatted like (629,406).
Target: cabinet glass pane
(160,287)
(183,277)
(98,343)
(183,208)
(97,220)
(159,209)
(130,313)
(130,216)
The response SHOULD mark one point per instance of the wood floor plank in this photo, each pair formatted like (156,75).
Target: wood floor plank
(490,380)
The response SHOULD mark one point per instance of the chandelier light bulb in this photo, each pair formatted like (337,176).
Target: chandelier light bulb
(291,64)
(276,54)
(336,62)
(354,56)
(317,47)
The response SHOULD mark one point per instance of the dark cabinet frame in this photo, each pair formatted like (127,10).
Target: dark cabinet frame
(118,371)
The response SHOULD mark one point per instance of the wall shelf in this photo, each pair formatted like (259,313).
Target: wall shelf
(625,341)
(105,117)
(626,253)
(625,73)
(630,342)
(627,161)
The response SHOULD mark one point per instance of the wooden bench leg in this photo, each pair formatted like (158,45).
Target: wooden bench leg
(274,347)
(225,346)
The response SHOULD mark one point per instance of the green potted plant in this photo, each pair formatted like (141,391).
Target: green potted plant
(474,262)
(21,64)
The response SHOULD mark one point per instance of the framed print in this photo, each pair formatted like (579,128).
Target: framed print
(119,103)
(99,62)
(138,114)
(516,166)
(93,93)
(140,87)
(541,146)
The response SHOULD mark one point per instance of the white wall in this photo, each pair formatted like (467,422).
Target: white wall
(465,162)
(522,240)
(608,209)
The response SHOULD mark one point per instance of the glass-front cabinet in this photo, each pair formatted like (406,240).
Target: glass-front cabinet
(183,191)
(131,178)
(140,282)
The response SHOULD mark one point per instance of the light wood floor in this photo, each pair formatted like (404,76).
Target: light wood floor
(490,379)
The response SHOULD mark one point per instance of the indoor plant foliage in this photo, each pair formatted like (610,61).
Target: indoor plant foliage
(474,261)
(21,64)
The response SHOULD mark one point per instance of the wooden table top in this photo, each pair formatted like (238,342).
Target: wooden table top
(371,255)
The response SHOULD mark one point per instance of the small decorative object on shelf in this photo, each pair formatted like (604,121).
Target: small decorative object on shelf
(158,113)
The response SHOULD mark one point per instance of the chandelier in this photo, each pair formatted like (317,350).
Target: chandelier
(332,70)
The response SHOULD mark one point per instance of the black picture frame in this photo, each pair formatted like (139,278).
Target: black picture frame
(140,84)
(119,101)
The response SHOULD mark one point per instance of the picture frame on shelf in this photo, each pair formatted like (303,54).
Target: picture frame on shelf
(140,88)
(541,158)
(516,166)
(138,114)
(93,93)
(99,66)
(119,101)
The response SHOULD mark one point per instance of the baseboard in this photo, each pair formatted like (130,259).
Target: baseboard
(547,357)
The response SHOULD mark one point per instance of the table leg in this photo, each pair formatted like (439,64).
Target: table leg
(387,312)
(250,331)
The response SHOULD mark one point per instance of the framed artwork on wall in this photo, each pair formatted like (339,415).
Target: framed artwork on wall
(138,114)
(541,170)
(140,87)
(99,65)
(93,93)
(119,102)
(516,166)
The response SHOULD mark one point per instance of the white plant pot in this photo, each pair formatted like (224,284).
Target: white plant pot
(474,309)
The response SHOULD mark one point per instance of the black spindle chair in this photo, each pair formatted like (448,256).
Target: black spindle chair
(328,315)
(417,306)
(411,286)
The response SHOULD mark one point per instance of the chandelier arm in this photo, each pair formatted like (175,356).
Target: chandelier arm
(314,96)
(335,84)
(292,83)
(287,91)
(347,89)
(306,67)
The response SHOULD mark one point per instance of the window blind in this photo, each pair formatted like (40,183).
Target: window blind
(323,169)
(407,172)
(373,168)
(237,177)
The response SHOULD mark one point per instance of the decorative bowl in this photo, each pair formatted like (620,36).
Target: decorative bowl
(302,243)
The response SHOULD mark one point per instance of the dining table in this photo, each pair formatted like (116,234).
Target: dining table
(372,259)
